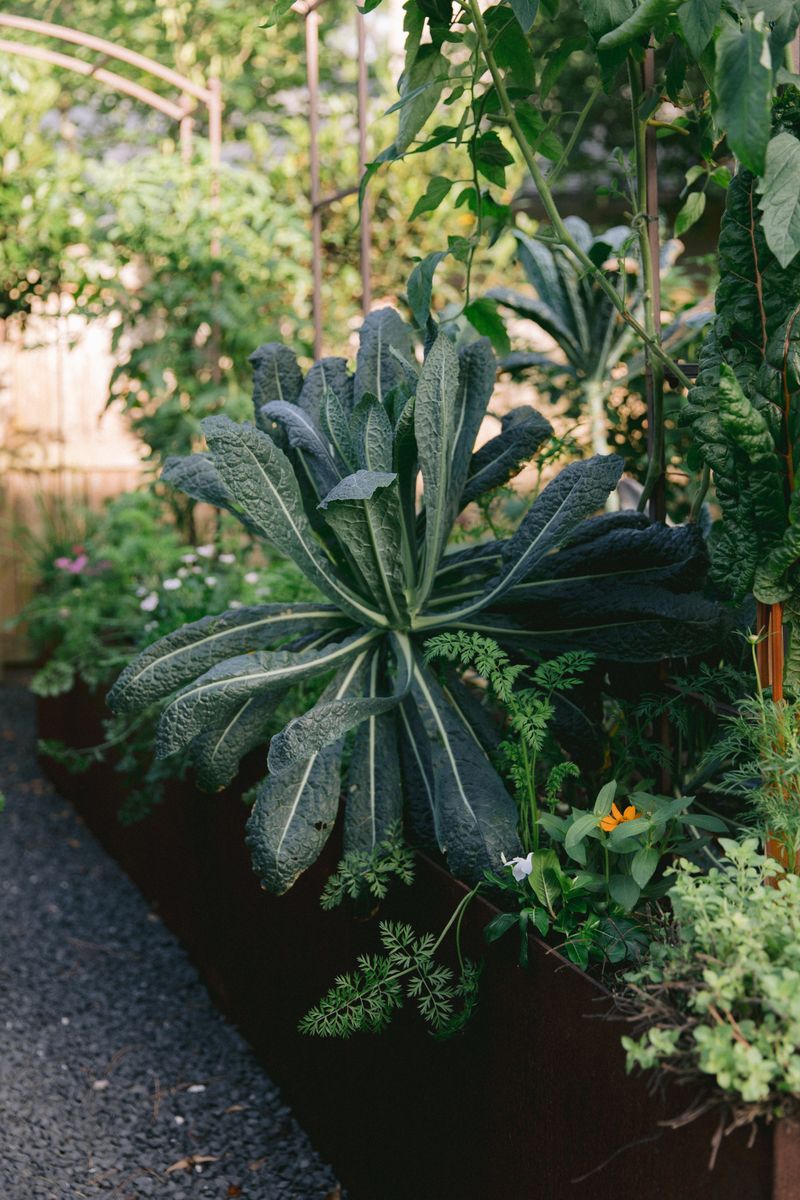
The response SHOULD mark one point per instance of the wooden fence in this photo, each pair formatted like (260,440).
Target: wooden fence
(57,441)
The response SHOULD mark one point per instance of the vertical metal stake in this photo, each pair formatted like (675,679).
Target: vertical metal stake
(312,70)
(658,500)
(363,123)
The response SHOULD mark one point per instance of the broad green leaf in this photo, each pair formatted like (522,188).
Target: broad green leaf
(372,434)
(525,12)
(276,376)
(644,864)
(579,490)
(420,88)
(476,378)
(195,648)
(780,197)
(384,347)
(706,822)
(304,435)
(698,20)
(638,25)
(626,830)
(277,11)
(603,15)
(625,891)
(374,801)
(221,690)
(262,482)
(743,85)
(327,375)
(522,433)
(475,818)
(693,208)
(543,879)
(438,187)
(294,813)
(335,425)
(482,315)
(605,798)
(499,925)
(329,719)
(420,286)
(581,827)
(361,485)
(491,157)
(196,475)
(418,778)
(435,423)
(217,752)
(364,512)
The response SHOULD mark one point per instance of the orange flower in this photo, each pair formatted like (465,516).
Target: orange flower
(615,818)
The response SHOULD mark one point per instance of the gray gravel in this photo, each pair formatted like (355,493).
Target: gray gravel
(117,1076)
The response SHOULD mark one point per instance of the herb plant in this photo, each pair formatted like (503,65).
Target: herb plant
(715,1003)
(329,476)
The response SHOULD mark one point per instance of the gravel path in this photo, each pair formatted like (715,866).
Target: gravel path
(117,1076)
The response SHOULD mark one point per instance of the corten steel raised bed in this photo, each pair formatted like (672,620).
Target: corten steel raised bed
(531,1100)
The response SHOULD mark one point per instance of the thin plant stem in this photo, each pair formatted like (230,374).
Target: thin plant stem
(558,167)
(563,234)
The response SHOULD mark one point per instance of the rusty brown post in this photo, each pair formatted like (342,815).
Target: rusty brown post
(655,443)
(363,122)
(312,77)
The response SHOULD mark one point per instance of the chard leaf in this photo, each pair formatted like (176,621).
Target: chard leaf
(262,481)
(475,818)
(219,692)
(195,648)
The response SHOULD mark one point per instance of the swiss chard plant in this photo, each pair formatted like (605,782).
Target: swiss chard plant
(745,412)
(329,474)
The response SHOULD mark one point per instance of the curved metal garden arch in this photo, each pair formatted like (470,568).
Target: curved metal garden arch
(210,95)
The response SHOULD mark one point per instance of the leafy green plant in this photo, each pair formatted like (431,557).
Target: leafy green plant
(744,412)
(715,1002)
(529,713)
(571,307)
(364,876)
(340,500)
(365,1001)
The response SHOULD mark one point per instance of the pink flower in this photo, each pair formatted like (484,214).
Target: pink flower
(62,563)
(78,564)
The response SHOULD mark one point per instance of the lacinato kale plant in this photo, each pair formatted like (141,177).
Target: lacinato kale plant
(328,475)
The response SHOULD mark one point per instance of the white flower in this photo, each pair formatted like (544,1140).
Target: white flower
(206,551)
(227,559)
(150,602)
(520,867)
(150,626)
(172,585)
(251,577)
(189,558)
(181,572)
(210,581)
(236,604)
(141,591)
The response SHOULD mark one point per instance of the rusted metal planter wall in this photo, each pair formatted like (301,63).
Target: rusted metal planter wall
(529,1101)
